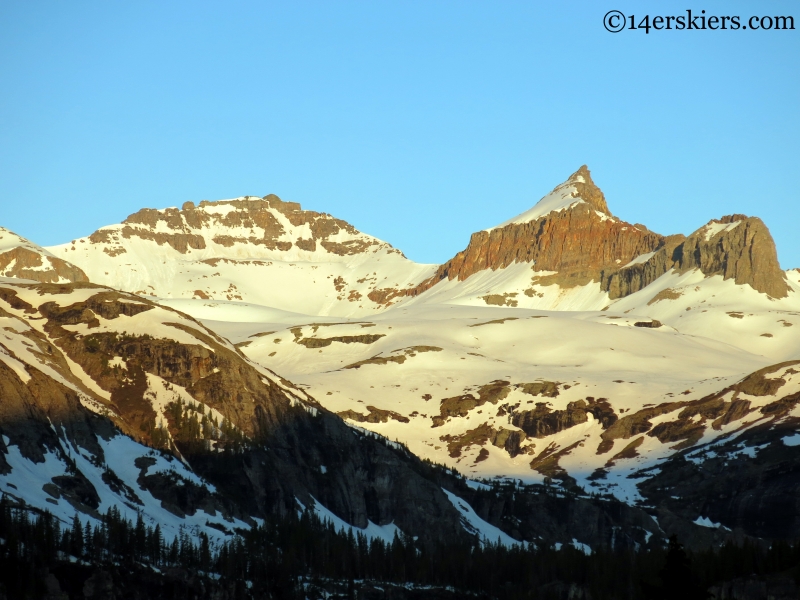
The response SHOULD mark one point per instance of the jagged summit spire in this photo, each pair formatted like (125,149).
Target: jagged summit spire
(577,189)
(587,190)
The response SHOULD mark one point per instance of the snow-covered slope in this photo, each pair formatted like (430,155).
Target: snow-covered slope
(256,250)
(23,259)
(714,308)
(109,399)
(461,385)
(691,303)
(10,240)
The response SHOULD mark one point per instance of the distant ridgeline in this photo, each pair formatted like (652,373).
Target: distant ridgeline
(245,399)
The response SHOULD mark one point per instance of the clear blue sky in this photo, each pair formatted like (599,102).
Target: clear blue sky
(417,121)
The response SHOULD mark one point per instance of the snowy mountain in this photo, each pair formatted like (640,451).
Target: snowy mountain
(109,399)
(256,250)
(112,400)
(564,346)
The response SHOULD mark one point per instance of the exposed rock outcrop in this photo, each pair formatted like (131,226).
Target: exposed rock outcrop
(274,440)
(587,190)
(621,282)
(739,248)
(542,421)
(25,260)
(375,415)
(579,242)
(251,220)
(735,246)
(460,406)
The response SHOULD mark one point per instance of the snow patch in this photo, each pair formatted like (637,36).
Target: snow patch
(477,485)
(371,531)
(713,229)
(118,361)
(792,440)
(706,522)
(559,199)
(642,258)
(585,548)
(488,533)
(14,364)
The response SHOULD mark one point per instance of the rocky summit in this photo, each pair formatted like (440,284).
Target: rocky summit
(570,233)
(568,380)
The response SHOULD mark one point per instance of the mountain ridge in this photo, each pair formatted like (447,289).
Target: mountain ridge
(570,238)
(565,347)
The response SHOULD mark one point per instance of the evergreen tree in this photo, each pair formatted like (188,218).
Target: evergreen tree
(204,553)
(88,540)
(677,578)
(76,537)
(140,538)
(156,541)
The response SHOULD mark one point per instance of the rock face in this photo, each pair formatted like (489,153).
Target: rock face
(735,246)
(632,278)
(739,248)
(25,260)
(753,492)
(268,222)
(262,442)
(258,250)
(586,190)
(579,241)
(542,422)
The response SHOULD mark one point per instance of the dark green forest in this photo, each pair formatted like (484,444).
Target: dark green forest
(285,558)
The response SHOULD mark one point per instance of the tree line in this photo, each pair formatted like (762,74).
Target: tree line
(278,557)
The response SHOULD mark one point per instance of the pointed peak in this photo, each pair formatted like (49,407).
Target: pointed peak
(578,188)
(588,190)
(582,175)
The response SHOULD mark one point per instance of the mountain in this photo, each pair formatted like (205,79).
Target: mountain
(564,344)
(275,353)
(736,246)
(570,236)
(20,258)
(571,240)
(102,390)
(256,250)
(111,400)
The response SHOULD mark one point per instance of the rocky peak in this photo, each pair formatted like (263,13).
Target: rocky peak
(577,192)
(266,222)
(739,248)
(736,246)
(570,231)
(586,189)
